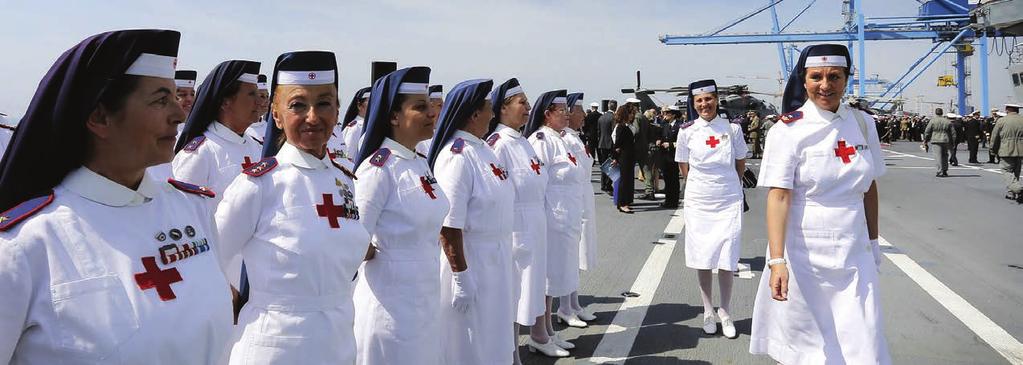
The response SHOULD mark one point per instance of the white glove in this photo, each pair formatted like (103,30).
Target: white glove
(876,248)
(521,255)
(463,291)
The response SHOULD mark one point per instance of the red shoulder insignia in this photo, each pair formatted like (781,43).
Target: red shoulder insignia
(380,157)
(686,124)
(791,117)
(192,188)
(458,145)
(194,144)
(493,139)
(12,216)
(261,168)
(344,170)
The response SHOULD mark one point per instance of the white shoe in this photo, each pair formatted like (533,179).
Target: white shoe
(710,325)
(727,327)
(562,343)
(586,315)
(549,349)
(571,320)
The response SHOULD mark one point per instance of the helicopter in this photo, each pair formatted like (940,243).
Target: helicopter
(734,101)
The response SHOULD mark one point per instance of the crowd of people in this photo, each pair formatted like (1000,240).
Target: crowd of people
(149,218)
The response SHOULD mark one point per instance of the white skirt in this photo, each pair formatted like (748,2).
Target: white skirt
(529,253)
(833,312)
(564,229)
(713,232)
(588,241)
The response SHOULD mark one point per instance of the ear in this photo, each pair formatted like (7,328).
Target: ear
(394,119)
(99,122)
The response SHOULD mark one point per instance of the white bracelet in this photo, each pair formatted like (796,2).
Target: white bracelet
(780,260)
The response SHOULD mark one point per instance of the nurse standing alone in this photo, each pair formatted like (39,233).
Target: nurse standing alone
(102,264)
(820,304)
(711,153)
(292,216)
(477,232)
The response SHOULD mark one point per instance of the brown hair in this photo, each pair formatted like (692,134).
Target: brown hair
(624,114)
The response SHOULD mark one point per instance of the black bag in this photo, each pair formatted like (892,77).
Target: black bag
(749,179)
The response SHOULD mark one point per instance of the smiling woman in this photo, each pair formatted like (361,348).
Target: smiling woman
(91,263)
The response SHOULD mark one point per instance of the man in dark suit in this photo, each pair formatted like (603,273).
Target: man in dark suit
(973,133)
(669,134)
(604,145)
(590,129)
(957,124)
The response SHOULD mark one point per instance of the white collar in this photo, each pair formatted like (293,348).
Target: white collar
(512,132)
(226,133)
(550,131)
(398,149)
(570,130)
(826,116)
(707,122)
(95,187)
(468,137)
(298,158)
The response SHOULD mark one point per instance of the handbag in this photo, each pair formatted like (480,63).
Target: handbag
(749,179)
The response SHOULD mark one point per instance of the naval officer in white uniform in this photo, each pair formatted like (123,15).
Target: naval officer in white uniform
(820,303)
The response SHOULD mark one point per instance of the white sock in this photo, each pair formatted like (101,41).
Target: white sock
(706,278)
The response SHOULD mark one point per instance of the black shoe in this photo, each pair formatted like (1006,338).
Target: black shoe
(1010,196)
(955,164)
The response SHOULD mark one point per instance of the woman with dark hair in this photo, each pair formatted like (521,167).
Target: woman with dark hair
(397,297)
(292,218)
(562,205)
(476,236)
(711,154)
(820,302)
(99,262)
(622,155)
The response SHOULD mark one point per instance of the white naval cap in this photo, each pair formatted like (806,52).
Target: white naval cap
(595,104)
(1012,105)
(632,100)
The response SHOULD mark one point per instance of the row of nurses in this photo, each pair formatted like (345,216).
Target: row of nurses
(402,206)
(100,262)
(355,115)
(435,100)
(257,130)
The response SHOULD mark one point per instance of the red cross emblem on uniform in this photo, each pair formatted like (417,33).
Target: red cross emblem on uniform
(535,165)
(312,76)
(844,151)
(156,278)
(330,211)
(427,187)
(248,163)
(713,142)
(498,172)
(571,158)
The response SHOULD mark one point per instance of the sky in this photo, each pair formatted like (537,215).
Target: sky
(591,46)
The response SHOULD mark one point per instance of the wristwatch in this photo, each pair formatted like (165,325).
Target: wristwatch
(780,260)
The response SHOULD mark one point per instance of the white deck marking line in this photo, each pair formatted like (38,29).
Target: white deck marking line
(1006,345)
(995,171)
(618,338)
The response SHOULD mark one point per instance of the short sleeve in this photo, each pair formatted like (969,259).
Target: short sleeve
(454,175)
(682,146)
(779,163)
(16,286)
(739,148)
(373,189)
(352,137)
(875,146)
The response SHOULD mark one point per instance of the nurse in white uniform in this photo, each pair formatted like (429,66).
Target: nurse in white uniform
(397,297)
(820,303)
(213,148)
(476,280)
(100,263)
(529,227)
(711,153)
(185,92)
(353,131)
(562,204)
(292,216)
(257,129)
(356,114)
(436,93)
(570,311)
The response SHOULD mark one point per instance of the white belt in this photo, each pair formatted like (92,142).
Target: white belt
(298,303)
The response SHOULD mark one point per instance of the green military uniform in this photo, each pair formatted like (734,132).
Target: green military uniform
(755,136)
(1007,142)
(942,135)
